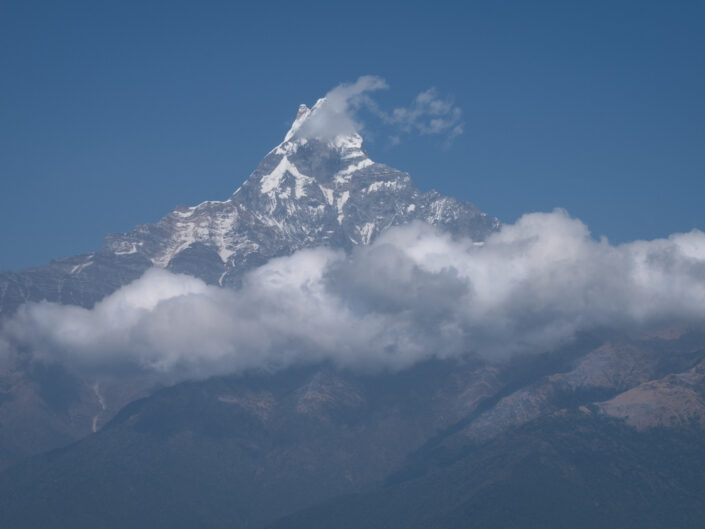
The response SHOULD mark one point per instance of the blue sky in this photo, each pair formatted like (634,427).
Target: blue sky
(112,113)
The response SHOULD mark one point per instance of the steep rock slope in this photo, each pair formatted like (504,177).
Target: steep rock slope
(562,471)
(238,452)
(550,455)
(431,446)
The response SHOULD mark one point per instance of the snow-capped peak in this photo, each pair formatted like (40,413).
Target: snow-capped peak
(347,145)
(303,113)
(303,110)
(316,188)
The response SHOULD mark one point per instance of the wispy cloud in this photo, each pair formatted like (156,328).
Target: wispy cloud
(338,113)
(428,114)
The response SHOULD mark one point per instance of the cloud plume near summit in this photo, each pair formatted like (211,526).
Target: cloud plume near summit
(415,293)
(337,113)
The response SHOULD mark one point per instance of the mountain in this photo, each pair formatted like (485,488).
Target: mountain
(528,443)
(240,451)
(306,192)
(611,442)
(561,471)
(608,430)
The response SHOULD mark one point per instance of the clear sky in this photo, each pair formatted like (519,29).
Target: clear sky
(111,113)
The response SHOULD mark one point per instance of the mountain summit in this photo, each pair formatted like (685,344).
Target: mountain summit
(310,190)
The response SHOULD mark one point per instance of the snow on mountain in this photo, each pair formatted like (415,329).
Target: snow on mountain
(312,189)
(307,191)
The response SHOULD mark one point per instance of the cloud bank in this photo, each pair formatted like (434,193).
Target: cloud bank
(415,293)
(337,113)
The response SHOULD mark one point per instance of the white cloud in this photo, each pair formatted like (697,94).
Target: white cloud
(337,113)
(415,293)
(428,114)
